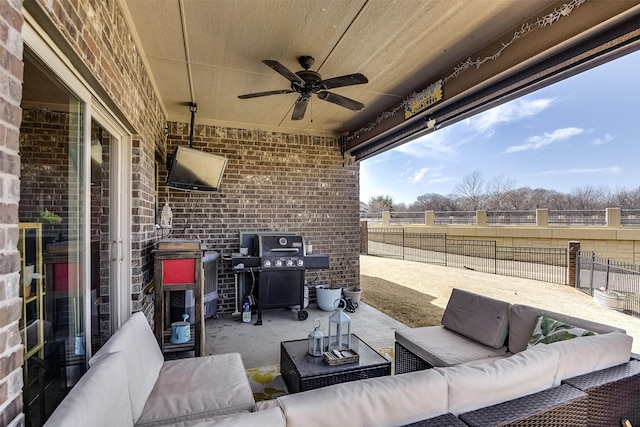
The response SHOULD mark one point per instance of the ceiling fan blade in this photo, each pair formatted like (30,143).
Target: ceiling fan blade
(287,73)
(300,107)
(271,92)
(340,100)
(348,80)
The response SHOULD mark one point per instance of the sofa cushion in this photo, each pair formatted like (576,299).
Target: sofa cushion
(593,353)
(522,320)
(197,388)
(475,316)
(100,398)
(549,330)
(475,386)
(272,417)
(382,401)
(142,357)
(442,347)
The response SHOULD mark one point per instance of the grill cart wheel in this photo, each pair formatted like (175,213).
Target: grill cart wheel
(302,315)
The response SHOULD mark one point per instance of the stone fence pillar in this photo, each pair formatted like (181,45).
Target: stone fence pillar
(574,247)
(386,218)
(614,216)
(481,218)
(542,217)
(430,218)
(364,237)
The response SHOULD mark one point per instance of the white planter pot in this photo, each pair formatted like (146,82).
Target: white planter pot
(327,297)
(612,300)
(354,295)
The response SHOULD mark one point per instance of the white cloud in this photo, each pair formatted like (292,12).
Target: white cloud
(580,171)
(506,113)
(539,141)
(435,145)
(428,174)
(604,140)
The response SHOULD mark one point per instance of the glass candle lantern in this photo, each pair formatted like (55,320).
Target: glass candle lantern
(342,324)
(316,340)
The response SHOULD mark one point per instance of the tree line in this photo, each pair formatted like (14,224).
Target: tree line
(474,192)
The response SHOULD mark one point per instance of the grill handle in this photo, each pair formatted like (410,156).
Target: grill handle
(284,250)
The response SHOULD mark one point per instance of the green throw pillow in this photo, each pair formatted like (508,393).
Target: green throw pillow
(549,330)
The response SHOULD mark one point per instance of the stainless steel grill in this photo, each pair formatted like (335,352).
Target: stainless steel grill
(280,261)
(281,276)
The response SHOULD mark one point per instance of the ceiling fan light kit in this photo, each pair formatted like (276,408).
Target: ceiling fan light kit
(306,82)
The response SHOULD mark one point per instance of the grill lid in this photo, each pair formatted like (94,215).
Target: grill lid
(280,244)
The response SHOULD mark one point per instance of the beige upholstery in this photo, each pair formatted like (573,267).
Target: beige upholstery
(582,355)
(164,393)
(523,319)
(441,347)
(383,401)
(483,319)
(99,399)
(198,388)
(475,386)
(142,357)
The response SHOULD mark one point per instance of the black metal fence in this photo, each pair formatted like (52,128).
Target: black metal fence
(545,264)
(599,273)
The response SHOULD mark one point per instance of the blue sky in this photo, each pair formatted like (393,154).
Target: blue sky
(584,130)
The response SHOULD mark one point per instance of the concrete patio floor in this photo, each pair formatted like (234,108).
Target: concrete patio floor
(260,345)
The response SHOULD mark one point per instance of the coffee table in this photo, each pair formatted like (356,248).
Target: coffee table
(302,372)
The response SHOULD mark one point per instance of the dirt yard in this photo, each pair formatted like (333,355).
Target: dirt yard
(417,293)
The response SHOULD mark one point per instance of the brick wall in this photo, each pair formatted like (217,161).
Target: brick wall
(10,304)
(273,182)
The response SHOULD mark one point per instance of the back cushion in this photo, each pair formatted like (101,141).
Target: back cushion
(589,354)
(99,399)
(480,318)
(142,357)
(476,386)
(383,401)
(523,318)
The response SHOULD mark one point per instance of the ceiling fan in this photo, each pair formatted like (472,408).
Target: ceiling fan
(306,82)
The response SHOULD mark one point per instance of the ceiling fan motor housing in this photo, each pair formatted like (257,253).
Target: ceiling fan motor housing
(311,82)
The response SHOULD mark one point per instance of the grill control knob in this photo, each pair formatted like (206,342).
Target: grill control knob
(289,263)
(278,263)
(266,263)
(300,263)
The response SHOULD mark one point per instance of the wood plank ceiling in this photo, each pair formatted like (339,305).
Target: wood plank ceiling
(210,51)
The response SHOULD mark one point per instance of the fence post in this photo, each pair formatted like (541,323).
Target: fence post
(574,248)
(481,218)
(386,218)
(430,218)
(614,216)
(364,237)
(542,218)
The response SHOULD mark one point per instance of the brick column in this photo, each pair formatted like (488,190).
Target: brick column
(11,95)
(574,247)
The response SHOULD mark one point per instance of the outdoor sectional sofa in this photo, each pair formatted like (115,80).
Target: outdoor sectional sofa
(585,381)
